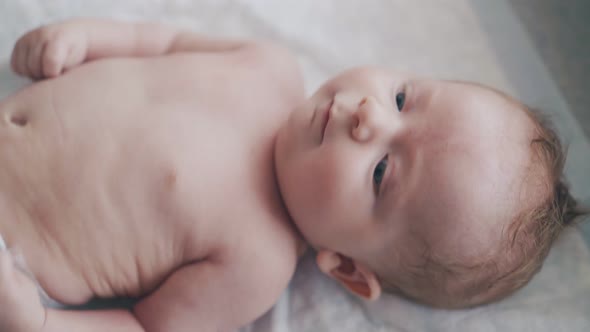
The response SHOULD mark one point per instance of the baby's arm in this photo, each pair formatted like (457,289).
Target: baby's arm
(110,38)
(207,296)
(204,296)
(117,320)
(21,309)
(212,296)
(49,50)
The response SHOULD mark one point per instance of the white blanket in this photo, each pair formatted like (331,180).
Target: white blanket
(461,39)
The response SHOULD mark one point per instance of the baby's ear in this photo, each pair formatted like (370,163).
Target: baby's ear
(353,275)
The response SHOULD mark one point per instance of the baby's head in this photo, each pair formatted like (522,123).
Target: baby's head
(448,193)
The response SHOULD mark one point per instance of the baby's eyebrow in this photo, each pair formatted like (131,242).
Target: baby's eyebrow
(422,93)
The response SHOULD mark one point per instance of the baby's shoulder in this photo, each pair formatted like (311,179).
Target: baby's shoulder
(275,64)
(267,255)
(261,270)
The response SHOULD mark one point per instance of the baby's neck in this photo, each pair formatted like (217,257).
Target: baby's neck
(302,245)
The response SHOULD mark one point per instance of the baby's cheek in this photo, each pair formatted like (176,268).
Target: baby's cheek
(329,178)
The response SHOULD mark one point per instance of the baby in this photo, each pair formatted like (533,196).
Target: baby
(190,173)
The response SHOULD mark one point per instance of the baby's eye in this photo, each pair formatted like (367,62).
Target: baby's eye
(378,174)
(400,100)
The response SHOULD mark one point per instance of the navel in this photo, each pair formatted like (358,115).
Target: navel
(18,119)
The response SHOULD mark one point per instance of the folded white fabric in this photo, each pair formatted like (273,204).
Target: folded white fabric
(431,37)
(2,243)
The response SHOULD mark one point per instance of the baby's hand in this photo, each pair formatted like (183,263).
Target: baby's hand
(21,308)
(49,50)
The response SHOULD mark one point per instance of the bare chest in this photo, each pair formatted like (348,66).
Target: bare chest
(112,196)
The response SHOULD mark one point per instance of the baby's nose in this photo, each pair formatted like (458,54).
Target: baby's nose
(365,119)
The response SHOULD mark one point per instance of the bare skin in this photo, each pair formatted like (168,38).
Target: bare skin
(154,173)
(125,174)
(378,165)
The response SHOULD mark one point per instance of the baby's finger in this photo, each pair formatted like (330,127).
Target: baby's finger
(24,58)
(34,60)
(73,57)
(53,59)
(13,58)
(17,55)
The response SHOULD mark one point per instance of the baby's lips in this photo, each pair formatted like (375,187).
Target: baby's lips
(326,118)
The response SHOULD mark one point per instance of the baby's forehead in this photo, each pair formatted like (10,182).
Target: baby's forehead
(468,215)
(469,183)
(474,181)
(475,114)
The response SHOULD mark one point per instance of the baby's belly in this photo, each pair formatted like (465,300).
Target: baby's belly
(83,193)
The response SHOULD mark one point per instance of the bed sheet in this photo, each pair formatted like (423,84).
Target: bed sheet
(460,39)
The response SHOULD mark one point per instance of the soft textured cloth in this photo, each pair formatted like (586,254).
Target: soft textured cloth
(20,264)
(460,39)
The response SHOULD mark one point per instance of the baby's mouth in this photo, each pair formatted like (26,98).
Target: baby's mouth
(325,114)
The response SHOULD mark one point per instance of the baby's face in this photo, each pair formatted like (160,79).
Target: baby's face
(377,161)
